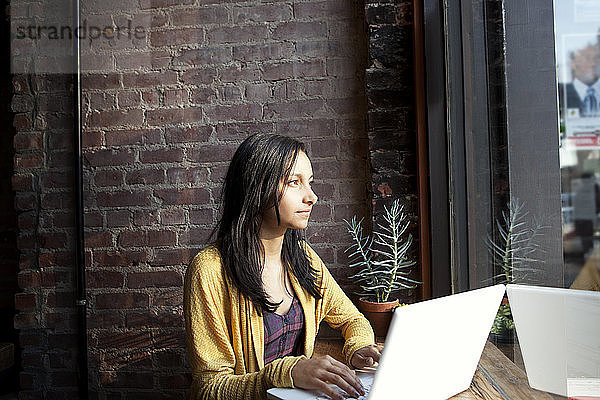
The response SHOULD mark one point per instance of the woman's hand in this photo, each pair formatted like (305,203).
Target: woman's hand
(366,356)
(318,373)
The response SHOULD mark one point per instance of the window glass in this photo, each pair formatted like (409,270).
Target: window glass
(578,70)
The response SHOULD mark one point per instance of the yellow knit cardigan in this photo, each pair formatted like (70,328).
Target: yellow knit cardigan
(225,334)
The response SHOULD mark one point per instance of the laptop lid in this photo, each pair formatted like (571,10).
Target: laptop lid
(559,336)
(433,347)
(431,351)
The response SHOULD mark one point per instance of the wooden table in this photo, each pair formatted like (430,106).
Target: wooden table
(496,378)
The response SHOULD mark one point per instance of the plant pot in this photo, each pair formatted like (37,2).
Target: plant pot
(379,314)
(505,337)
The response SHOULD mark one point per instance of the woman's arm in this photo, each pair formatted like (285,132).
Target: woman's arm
(212,356)
(340,313)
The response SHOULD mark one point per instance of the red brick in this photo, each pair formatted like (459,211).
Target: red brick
(28,141)
(237,73)
(24,301)
(111,118)
(145,176)
(299,108)
(183,196)
(203,216)
(150,98)
(55,240)
(28,161)
(306,128)
(145,217)
(200,76)
(26,242)
(118,218)
(123,340)
(295,30)
(243,129)
(105,320)
(26,221)
(216,152)
(230,93)
(200,16)
(91,139)
(56,258)
(132,136)
(152,320)
(60,299)
(53,180)
(341,9)
(133,239)
(263,52)
(172,217)
(189,134)
(100,101)
(161,155)
(161,238)
(129,98)
(120,301)
(154,279)
(104,279)
(203,95)
(179,36)
(22,122)
(22,182)
(20,84)
(262,13)
(164,257)
(98,239)
(195,236)
(118,258)
(175,97)
(173,116)
(122,198)
(60,141)
(278,71)
(237,34)
(26,321)
(25,202)
(154,4)
(93,219)
(168,298)
(149,79)
(108,178)
(100,81)
(237,112)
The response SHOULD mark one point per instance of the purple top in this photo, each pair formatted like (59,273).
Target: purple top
(283,333)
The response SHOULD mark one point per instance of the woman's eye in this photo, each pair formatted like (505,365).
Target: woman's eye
(293,182)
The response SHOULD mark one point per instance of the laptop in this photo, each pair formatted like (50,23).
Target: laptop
(431,351)
(559,336)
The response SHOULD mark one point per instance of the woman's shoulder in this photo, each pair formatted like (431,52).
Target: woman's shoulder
(206,263)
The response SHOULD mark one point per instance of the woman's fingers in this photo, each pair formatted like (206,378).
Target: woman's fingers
(347,378)
(319,372)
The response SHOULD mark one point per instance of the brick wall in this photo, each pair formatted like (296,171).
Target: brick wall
(391,116)
(44,202)
(163,113)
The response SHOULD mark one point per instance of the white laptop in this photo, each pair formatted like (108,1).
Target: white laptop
(559,336)
(432,349)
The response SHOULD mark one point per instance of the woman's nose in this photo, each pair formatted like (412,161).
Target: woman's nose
(311,197)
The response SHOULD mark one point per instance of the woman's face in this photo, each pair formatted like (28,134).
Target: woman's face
(296,203)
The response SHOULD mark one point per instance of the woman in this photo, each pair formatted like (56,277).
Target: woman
(253,300)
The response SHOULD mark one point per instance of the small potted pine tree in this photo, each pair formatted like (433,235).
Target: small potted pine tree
(383,265)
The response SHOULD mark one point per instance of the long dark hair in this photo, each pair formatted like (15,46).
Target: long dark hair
(251,187)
